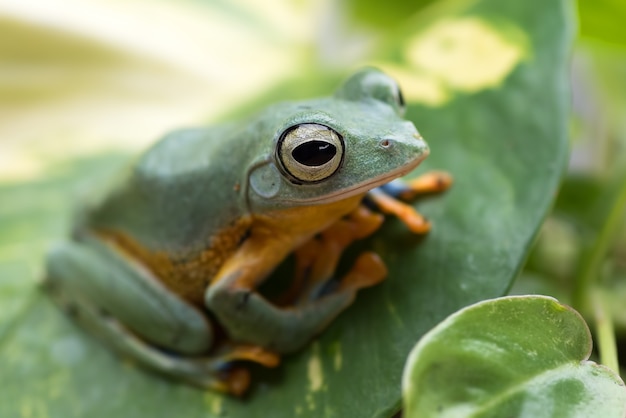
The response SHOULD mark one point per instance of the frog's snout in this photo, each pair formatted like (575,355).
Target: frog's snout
(389,142)
(411,145)
(424,150)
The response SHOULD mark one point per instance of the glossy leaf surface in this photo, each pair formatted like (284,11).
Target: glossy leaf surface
(524,356)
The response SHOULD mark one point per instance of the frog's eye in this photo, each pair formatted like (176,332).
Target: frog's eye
(372,83)
(400,101)
(310,152)
(392,94)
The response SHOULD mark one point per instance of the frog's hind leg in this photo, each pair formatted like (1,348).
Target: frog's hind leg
(210,374)
(97,273)
(387,198)
(128,310)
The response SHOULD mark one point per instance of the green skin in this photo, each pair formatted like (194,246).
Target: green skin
(195,182)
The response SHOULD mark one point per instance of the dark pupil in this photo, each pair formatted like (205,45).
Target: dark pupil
(314,153)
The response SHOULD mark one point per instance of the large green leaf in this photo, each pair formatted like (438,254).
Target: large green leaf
(518,356)
(487,86)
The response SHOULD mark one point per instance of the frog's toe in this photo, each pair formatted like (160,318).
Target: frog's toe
(234,381)
(416,222)
(368,270)
(238,381)
(388,204)
(430,182)
(365,221)
(252,353)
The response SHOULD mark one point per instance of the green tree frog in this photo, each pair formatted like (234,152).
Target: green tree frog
(165,265)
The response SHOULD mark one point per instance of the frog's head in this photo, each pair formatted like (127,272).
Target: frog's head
(329,149)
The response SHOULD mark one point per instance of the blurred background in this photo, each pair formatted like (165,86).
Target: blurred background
(80,79)
(104,75)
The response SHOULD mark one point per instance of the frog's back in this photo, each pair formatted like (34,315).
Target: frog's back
(179,210)
(185,152)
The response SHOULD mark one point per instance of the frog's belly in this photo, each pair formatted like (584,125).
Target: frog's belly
(186,274)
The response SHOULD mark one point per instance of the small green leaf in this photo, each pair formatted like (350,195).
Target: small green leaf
(517,356)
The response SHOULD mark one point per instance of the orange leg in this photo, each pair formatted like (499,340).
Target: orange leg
(385,198)
(431,182)
(248,317)
(317,259)
(406,213)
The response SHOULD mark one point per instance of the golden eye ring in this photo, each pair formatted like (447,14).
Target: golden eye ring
(310,152)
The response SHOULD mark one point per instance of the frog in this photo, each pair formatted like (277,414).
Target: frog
(165,264)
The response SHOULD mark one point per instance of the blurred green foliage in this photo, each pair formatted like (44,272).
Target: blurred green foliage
(603,20)
(580,256)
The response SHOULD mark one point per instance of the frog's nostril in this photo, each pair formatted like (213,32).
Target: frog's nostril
(386,143)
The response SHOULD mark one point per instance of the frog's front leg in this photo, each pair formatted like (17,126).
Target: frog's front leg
(249,317)
(386,198)
(317,259)
(119,301)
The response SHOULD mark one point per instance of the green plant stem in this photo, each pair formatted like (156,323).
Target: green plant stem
(591,266)
(605,332)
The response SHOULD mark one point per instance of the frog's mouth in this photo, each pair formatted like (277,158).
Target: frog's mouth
(366,187)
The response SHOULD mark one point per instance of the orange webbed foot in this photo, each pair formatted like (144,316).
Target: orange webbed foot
(234,381)
(387,198)
(368,270)
(430,182)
